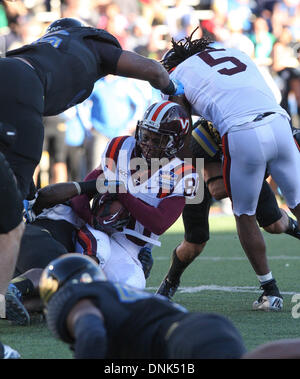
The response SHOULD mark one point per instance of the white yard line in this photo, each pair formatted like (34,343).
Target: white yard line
(208,258)
(214,287)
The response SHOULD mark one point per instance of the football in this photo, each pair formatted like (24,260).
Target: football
(109,214)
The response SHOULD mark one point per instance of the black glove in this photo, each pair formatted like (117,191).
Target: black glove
(145,257)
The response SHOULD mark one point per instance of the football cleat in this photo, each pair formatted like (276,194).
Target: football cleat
(167,289)
(268,303)
(15,309)
(8,353)
(270,299)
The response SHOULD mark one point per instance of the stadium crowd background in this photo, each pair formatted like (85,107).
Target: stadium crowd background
(267,30)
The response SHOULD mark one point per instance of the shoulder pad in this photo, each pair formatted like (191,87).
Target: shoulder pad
(103,35)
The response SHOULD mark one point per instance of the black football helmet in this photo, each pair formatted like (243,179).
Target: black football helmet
(68,268)
(63,23)
(170,122)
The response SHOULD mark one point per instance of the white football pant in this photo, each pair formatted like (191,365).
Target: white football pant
(254,147)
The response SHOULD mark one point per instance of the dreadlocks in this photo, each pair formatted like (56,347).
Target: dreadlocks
(184,49)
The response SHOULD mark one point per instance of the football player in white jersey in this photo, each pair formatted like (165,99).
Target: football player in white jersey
(206,144)
(155,187)
(225,87)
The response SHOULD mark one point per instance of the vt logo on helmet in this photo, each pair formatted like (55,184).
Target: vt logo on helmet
(162,131)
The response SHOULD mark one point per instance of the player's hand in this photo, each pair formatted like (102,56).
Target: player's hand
(111,186)
(29,213)
(179,88)
(174,88)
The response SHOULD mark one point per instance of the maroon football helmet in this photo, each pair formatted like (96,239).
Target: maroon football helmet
(162,131)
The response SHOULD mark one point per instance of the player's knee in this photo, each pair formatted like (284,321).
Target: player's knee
(218,193)
(280,225)
(275,228)
(189,251)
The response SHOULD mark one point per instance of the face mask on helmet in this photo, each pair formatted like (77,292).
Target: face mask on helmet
(69,268)
(152,145)
(63,23)
(162,131)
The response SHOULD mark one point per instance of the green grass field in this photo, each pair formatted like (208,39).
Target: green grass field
(220,280)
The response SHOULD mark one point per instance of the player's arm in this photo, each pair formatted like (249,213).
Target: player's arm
(73,318)
(282,349)
(156,220)
(59,193)
(81,203)
(159,219)
(136,66)
(86,325)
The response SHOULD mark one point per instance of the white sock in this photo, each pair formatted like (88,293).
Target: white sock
(265,278)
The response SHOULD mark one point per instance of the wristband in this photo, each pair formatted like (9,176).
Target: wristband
(170,89)
(89,187)
(214,178)
(77,185)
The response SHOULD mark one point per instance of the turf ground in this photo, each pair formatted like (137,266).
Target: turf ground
(220,280)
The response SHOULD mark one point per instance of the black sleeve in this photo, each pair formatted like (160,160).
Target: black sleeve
(199,152)
(106,53)
(205,142)
(267,211)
